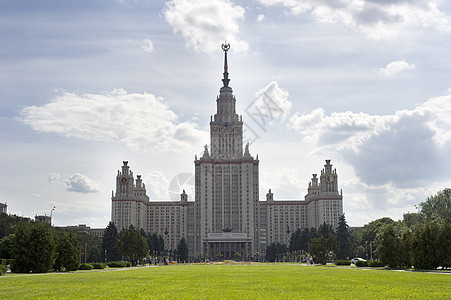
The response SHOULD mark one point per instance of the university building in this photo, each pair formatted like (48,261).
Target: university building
(226,216)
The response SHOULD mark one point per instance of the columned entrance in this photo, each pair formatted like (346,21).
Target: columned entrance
(219,246)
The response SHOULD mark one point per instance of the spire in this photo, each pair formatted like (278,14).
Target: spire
(225,80)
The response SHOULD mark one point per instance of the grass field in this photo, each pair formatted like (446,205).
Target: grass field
(261,281)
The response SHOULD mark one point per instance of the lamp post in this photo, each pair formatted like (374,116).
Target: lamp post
(51,214)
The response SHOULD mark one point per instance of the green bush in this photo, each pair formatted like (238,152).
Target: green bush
(117,264)
(85,266)
(343,262)
(361,263)
(98,266)
(375,263)
(3,269)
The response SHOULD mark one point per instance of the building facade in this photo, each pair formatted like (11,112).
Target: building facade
(226,216)
(3,208)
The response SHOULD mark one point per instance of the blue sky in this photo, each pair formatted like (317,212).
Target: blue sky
(86,85)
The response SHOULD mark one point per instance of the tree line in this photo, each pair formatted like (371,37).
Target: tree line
(421,240)
(29,246)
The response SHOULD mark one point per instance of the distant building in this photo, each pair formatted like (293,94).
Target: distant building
(226,216)
(3,208)
(43,219)
(97,232)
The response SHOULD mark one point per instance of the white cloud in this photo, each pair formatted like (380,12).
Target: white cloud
(260,18)
(206,24)
(156,185)
(408,147)
(377,19)
(142,122)
(54,177)
(147,46)
(282,182)
(271,103)
(396,67)
(82,184)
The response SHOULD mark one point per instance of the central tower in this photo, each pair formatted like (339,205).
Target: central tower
(226,128)
(226,185)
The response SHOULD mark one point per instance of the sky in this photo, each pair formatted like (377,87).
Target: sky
(86,85)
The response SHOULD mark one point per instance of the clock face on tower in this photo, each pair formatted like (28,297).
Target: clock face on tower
(329,178)
(124,179)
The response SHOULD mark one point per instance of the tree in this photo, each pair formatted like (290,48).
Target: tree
(92,245)
(425,248)
(438,206)
(326,230)
(34,248)
(9,222)
(155,243)
(321,248)
(343,238)
(389,247)
(132,245)
(6,243)
(275,249)
(444,251)
(182,250)
(69,252)
(110,236)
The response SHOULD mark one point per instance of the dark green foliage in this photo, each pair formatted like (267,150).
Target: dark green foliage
(6,243)
(9,222)
(69,252)
(361,263)
(444,251)
(274,250)
(389,247)
(326,230)
(85,266)
(321,248)
(99,266)
(93,246)
(34,248)
(426,245)
(437,207)
(132,245)
(367,235)
(117,264)
(182,250)
(155,244)
(343,262)
(343,238)
(375,263)
(110,236)
(3,269)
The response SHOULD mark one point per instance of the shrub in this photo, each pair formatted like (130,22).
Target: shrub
(117,264)
(98,266)
(343,262)
(375,263)
(3,269)
(361,263)
(85,266)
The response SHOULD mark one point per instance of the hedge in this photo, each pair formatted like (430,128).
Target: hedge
(85,266)
(375,263)
(98,266)
(119,264)
(343,262)
(361,263)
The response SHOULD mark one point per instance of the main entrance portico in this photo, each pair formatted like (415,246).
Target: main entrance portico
(227,243)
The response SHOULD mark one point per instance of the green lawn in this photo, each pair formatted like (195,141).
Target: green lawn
(262,281)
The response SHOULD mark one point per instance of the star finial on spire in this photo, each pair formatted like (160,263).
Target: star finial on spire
(225,47)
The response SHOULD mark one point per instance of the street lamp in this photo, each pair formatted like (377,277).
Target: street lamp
(51,214)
